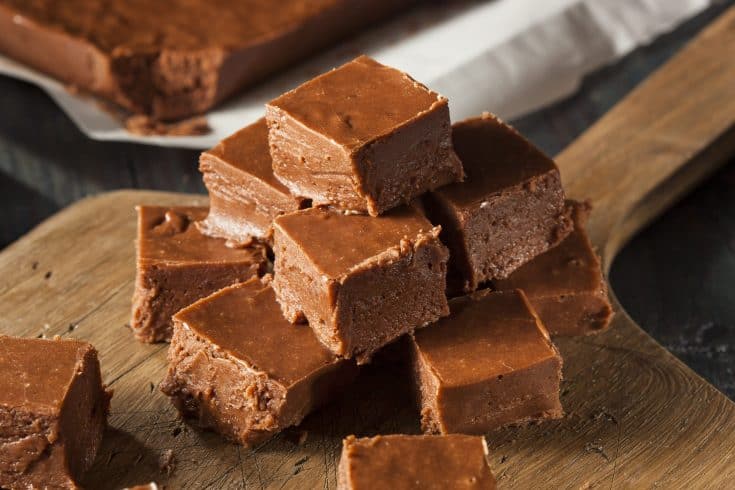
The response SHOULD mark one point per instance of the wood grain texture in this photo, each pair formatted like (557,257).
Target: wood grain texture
(637,417)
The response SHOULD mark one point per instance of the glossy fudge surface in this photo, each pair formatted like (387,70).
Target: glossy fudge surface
(509,209)
(238,367)
(362,137)
(487,365)
(53,412)
(177,265)
(204,52)
(408,462)
(361,282)
(565,285)
(244,195)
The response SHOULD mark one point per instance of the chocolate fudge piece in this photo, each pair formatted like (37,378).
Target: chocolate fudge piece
(362,137)
(177,265)
(175,58)
(244,196)
(238,367)
(509,209)
(361,282)
(409,462)
(565,285)
(488,365)
(53,412)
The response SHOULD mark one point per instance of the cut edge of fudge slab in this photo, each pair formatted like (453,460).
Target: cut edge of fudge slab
(219,386)
(54,441)
(341,300)
(244,195)
(569,299)
(165,285)
(446,406)
(342,152)
(173,82)
(414,461)
(512,199)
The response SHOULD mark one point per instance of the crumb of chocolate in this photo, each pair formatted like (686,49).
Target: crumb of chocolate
(145,126)
(47,275)
(151,386)
(34,265)
(167,462)
(301,461)
(72,327)
(596,447)
(603,414)
(176,431)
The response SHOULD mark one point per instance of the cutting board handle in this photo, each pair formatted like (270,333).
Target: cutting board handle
(664,137)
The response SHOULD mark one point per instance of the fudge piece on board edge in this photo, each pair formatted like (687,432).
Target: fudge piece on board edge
(53,412)
(403,462)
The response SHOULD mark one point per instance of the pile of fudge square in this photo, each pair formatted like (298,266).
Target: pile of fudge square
(354,216)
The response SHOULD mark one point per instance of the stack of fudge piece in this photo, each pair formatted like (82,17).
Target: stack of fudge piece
(382,221)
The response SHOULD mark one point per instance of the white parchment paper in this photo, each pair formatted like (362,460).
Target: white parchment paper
(509,57)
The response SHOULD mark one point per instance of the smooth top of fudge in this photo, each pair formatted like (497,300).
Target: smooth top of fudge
(247,151)
(246,322)
(487,334)
(136,25)
(42,371)
(402,461)
(570,267)
(337,243)
(357,102)
(168,234)
(495,157)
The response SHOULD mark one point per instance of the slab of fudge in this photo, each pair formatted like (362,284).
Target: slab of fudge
(362,137)
(509,209)
(361,282)
(244,195)
(204,52)
(487,365)
(177,265)
(565,285)
(53,412)
(408,462)
(238,367)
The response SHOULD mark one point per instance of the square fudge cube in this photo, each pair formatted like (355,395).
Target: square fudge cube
(565,285)
(238,367)
(509,209)
(244,195)
(410,462)
(487,365)
(361,282)
(177,265)
(53,412)
(362,137)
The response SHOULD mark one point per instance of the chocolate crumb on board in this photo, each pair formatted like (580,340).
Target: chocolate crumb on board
(167,462)
(48,275)
(143,125)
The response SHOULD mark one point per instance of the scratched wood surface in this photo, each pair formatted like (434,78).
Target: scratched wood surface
(636,416)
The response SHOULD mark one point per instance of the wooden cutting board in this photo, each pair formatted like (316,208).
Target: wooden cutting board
(636,416)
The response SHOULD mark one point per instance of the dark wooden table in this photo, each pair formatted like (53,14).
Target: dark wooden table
(677,278)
